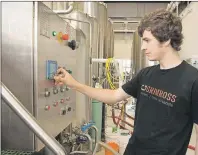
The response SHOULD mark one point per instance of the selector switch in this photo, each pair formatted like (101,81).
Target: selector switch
(73,44)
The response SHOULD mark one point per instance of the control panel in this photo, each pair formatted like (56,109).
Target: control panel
(56,104)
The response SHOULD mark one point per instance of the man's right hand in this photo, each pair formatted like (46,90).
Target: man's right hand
(63,77)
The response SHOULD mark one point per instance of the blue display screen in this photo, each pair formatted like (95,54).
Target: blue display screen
(51,68)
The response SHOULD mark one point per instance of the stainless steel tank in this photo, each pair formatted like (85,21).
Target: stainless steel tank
(32,49)
(112,43)
(102,33)
(103,27)
(92,9)
(138,57)
(109,40)
(89,26)
(98,11)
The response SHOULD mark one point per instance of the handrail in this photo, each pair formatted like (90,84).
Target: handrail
(30,121)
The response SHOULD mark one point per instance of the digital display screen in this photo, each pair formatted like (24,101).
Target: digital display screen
(51,69)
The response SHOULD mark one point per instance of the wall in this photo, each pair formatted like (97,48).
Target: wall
(123,45)
(190,31)
(132,9)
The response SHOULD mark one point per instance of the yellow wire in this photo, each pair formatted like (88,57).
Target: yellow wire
(109,76)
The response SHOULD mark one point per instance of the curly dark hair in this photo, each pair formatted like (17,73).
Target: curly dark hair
(164,25)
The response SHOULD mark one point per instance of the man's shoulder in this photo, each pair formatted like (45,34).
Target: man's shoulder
(149,70)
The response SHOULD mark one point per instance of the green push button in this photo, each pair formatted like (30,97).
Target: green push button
(54,33)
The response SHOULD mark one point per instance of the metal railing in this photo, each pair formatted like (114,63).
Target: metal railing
(30,121)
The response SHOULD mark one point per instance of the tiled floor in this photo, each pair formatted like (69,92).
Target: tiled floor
(189,152)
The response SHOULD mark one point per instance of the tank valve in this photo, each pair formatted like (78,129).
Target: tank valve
(73,44)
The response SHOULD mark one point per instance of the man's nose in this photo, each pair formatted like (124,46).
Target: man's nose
(143,47)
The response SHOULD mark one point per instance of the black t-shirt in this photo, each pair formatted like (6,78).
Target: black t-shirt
(167,107)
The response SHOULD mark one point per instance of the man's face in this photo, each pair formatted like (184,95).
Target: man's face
(151,47)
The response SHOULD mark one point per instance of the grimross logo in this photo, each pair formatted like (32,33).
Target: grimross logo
(159,93)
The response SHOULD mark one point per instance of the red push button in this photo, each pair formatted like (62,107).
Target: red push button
(65,37)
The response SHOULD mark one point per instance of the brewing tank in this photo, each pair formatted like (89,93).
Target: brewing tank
(138,57)
(108,50)
(103,28)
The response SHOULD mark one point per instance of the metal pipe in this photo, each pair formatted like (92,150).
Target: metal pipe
(79,152)
(99,60)
(90,141)
(123,21)
(96,132)
(177,8)
(127,31)
(30,121)
(69,10)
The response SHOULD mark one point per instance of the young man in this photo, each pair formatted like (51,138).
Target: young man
(167,94)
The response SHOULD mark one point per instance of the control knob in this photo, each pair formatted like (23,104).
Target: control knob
(47,93)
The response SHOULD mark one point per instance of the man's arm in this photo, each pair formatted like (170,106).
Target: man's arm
(196,147)
(104,95)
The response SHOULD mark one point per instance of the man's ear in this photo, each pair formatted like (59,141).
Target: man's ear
(167,43)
